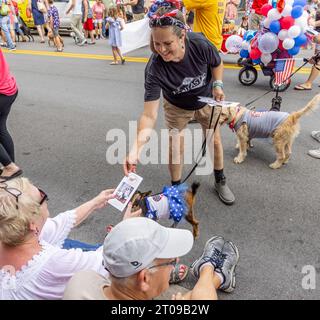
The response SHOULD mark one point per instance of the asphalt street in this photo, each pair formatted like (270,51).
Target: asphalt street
(66,107)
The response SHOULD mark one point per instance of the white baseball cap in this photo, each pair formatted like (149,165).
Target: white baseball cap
(133,244)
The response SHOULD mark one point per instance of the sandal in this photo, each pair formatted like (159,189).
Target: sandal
(15,175)
(179,273)
(113,63)
(300,87)
(123,61)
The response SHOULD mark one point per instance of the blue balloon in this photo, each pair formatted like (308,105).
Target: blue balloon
(245,35)
(244,53)
(294,51)
(256,61)
(296,12)
(300,40)
(301,3)
(275,27)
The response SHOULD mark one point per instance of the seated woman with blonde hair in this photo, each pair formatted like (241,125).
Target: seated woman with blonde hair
(33,264)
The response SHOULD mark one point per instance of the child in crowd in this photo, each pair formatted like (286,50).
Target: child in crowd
(244,26)
(54,24)
(115,25)
(98,10)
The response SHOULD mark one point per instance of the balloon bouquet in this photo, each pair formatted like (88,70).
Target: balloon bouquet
(283,32)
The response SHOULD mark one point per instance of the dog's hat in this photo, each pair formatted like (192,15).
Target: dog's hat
(133,244)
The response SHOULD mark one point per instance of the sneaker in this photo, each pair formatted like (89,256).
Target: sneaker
(314,153)
(211,253)
(83,42)
(12,49)
(224,193)
(316,135)
(227,265)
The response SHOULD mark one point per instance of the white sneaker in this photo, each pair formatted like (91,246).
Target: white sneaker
(84,41)
(316,135)
(314,153)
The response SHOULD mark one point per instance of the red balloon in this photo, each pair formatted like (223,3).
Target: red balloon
(265,9)
(280,46)
(255,54)
(280,5)
(286,22)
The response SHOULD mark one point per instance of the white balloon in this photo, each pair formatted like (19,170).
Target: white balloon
(274,14)
(266,58)
(234,43)
(286,11)
(288,43)
(305,14)
(294,31)
(245,45)
(289,2)
(268,42)
(270,2)
(283,34)
(266,23)
(302,22)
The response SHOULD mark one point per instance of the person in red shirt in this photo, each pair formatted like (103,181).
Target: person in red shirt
(8,94)
(256,16)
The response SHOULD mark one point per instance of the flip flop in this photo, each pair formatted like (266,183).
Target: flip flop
(300,87)
(15,175)
(175,276)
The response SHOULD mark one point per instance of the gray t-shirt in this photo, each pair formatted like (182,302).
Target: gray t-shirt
(86,285)
(261,124)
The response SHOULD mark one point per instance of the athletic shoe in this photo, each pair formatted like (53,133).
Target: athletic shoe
(211,253)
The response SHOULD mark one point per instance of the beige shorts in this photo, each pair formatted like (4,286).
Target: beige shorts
(177,118)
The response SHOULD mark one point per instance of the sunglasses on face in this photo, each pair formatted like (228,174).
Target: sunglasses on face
(172,263)
(44,196)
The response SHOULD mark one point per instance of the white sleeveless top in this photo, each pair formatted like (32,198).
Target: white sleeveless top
(46,275)
(77,8)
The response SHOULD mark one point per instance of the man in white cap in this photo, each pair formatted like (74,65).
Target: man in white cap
(140,254)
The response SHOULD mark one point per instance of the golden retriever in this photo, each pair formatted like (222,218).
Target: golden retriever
(283,134)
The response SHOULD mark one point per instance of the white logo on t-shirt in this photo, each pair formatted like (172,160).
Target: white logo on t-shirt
(189,84)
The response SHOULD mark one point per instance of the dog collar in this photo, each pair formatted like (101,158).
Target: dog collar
(233,121)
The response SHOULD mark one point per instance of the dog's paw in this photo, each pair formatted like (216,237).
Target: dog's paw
(237,146)
(250,144)
(238,159)
(275,165)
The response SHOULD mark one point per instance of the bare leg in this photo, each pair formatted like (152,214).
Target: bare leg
(176,150)
(41,33)
(313,75)
(114,53)
(119,53)
(206,287)
(218,150)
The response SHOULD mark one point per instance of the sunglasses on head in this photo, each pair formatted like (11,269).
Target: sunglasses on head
(167,19)
(17,193)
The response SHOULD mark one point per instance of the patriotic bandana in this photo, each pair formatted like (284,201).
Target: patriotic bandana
(169,204)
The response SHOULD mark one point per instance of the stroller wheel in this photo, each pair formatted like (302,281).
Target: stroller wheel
(282,88)
(248,76)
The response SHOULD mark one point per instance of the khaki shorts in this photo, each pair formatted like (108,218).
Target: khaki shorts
(138,16)
(177,118)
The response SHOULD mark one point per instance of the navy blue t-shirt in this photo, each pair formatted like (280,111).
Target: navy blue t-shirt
(182,82)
